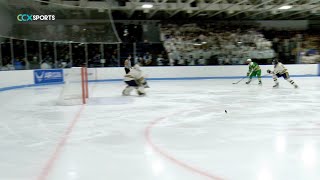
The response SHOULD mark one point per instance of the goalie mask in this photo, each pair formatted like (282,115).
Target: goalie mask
(275,61)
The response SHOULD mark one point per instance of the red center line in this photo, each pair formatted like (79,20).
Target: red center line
(49,165)
(184,165)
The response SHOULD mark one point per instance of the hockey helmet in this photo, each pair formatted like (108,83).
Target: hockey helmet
(248,61)
(275,61)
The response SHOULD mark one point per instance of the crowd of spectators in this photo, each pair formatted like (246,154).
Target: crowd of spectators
(191,44)
(310,49)
(188,44)
(295,46)
(147,54)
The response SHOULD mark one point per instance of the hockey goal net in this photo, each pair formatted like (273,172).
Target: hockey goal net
(75,90)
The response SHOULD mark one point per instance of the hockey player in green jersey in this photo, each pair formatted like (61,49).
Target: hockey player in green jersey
(254,70)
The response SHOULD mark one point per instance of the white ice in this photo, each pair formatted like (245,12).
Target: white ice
(179,131)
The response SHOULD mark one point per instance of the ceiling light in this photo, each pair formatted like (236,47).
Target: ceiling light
(285,7)
(147,6)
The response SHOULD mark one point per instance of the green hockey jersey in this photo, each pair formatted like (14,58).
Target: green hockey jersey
(253,66)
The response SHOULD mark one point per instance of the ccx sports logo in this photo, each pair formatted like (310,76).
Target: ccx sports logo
(30,17)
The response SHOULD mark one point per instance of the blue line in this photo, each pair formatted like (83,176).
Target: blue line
(198,78)
(156,79)
(15,87)
(28,85)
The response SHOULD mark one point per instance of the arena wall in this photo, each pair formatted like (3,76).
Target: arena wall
(25,78)
(203,72)
(16,78)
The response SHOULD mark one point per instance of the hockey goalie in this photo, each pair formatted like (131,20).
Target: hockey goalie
(135,80)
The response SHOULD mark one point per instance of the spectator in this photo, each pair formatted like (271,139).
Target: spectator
(113,61)
(160,60)
(202,61)
(127,64)
(18,64)
(147,59)
(8,67)
(46,65)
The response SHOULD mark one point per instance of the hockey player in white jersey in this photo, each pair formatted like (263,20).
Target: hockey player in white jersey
(134,80)
(280,71)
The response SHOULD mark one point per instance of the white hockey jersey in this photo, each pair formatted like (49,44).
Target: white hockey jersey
(134,74)
(279,69)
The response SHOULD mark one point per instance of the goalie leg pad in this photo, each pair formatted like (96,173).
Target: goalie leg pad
(140,91)
(127,90)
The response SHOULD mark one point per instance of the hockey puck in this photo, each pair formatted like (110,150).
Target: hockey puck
(225,111)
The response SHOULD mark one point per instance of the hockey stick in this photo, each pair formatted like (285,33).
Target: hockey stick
(240,80)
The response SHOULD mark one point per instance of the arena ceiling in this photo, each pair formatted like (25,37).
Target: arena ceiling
(223,9)
(184,10)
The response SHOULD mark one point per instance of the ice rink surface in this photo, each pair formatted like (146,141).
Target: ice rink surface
(179,131)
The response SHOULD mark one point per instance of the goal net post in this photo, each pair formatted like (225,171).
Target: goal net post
(75,90)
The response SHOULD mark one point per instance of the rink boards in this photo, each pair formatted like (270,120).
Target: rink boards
(25,78)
